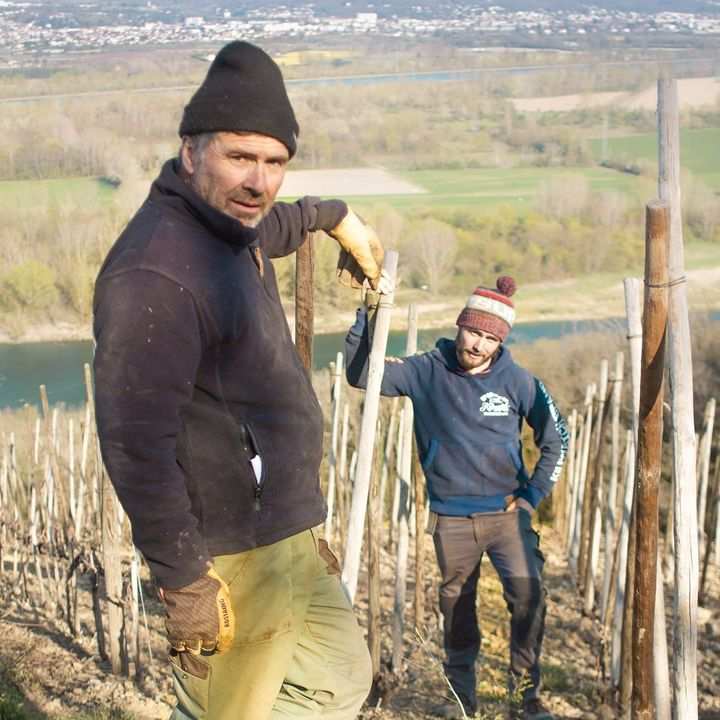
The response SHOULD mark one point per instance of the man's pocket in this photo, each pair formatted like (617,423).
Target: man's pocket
(191,678)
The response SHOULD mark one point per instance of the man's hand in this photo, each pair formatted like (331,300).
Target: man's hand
(518,503)
(361,255)
(200,616)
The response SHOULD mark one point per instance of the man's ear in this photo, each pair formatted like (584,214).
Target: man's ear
(187,156)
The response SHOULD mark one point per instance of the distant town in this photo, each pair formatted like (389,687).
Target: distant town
(28,28)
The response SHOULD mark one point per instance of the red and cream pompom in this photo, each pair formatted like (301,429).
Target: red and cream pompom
(490,311)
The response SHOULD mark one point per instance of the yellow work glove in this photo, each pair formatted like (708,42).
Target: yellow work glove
(200,615)
(361,255)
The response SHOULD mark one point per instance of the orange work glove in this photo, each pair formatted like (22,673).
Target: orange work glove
(200,616)
(361,253)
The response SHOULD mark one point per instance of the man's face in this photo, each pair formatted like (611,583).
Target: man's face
(237,173)
(475,349)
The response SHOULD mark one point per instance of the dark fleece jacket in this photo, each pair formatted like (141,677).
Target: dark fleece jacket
(196,372)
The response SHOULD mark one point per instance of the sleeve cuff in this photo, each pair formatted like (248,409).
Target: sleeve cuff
(531,494)
(329,214)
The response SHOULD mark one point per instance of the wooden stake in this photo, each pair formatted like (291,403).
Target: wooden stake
(304,302)
(579,529)
(351,566)
(684,672)
(649,457)
(420,523)
(622,637)
(704,463)
(398,623)
(332,459)
(373,566)
(611,509)
(569,487)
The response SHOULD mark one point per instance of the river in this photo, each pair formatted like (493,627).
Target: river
(59,365)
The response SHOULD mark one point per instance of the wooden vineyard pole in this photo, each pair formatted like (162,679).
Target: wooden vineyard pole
(649,458)
(304,302)
(704,464)
(334,433)
(581,481)
(569,486)
(684,670)
(363,470)
(589,500)
(611,509)
(622,624)
(398,622)
(574,470)
(420,522)
(112,564)
(374,534)
(595,494)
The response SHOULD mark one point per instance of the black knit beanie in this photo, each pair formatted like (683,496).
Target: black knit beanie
(243,92)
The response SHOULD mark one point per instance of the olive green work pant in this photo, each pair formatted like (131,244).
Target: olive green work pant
(298,650)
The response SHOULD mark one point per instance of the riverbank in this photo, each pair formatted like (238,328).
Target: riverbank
(591,297)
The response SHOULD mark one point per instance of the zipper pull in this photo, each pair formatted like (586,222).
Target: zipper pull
(258,258)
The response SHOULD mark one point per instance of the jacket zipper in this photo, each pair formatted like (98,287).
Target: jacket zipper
(252,450)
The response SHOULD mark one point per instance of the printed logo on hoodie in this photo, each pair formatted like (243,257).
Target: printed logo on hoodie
(494,405)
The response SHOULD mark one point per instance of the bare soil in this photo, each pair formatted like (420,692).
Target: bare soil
(692,93)
(62,677)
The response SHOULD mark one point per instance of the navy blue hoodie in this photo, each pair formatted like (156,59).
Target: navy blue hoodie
(468,426)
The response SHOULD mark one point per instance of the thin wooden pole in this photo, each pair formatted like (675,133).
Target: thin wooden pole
(570,488)
(420,522)
(717,510)
(596,516)
(582,475)
(706,448)
(611,510)
(387,455)
(403,544)
(684,672)
(366,443)
(304,302)
(334,432)
(649,462)
(577,459)
(622,639)
(373,565)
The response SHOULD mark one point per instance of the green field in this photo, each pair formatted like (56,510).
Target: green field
(488,188)
(699,151)
(80,191)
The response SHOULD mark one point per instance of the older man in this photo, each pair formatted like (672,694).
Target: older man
(210,429)
(470,400)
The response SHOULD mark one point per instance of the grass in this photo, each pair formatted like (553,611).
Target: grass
(81,191)
(489,188)
(699,151)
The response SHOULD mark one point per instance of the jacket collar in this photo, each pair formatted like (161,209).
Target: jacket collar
(171,190)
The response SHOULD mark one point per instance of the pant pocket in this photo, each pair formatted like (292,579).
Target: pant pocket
(191,678)
(432,521)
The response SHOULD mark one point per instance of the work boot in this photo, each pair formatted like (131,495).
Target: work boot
(533,709)
(450,710)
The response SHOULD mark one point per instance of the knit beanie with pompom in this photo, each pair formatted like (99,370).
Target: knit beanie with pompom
(490,311)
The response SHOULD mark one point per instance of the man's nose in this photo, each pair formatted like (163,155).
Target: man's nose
(256,179)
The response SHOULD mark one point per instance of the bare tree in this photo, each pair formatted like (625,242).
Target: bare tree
(432,247)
